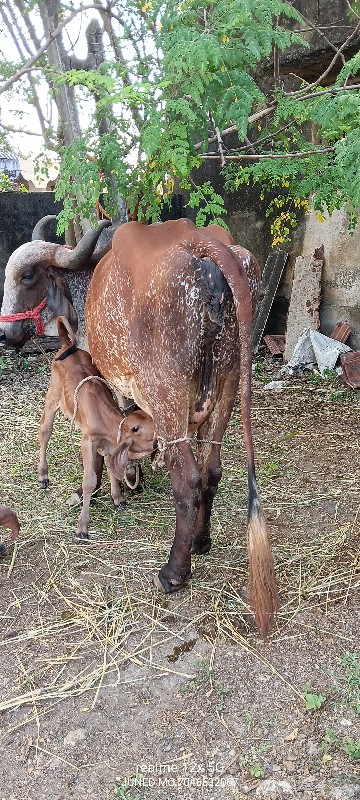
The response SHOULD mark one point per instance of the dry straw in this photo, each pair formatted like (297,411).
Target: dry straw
(74,618)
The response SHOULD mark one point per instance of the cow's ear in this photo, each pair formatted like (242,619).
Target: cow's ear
(59,303)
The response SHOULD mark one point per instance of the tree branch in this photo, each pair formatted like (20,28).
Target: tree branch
(12,129)
(233,128)
(262,156)
(29,64)
(299,92)
(266,111)
(351,9)
(332,90)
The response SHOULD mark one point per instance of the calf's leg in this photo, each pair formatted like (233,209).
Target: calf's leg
(88,449)
(116,493)
(45,431)
(77,495)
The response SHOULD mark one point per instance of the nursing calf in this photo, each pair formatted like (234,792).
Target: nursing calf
(105,429)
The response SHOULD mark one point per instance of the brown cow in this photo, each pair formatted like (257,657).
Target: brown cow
(8,519)
(104,428)
(168,316)
(169,321)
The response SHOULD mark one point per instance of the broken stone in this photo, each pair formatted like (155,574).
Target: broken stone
(270,280)
(305,299)
(277,790)
(344,790)
(276,344)
(350,363)
(275,386)
(74,736)
(313,349)
(341,332)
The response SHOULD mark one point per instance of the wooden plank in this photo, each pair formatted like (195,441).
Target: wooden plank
(305,299)
(270,280)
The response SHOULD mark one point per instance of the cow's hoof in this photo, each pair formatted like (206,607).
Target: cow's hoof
(167,585)
(201,548)
(74,500)
(81,537)
(2,550)
(44,483)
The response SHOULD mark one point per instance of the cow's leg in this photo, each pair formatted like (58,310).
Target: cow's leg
(45,431)
(77,495)
(186,484)
(89,452)
(209,461)
(212,430)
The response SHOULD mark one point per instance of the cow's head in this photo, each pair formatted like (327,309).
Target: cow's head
(37,270)
(136,441)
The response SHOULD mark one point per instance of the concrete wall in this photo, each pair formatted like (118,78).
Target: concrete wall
(341,273)
(250,228)
(341,276)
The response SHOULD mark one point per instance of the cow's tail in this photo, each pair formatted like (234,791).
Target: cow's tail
(263,591)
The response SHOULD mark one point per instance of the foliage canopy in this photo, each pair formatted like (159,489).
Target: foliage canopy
(174,75)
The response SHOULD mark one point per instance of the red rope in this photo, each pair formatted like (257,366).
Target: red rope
(34,314)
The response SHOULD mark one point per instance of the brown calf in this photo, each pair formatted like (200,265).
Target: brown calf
(103,426)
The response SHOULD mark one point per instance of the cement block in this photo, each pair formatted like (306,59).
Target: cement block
(305,299)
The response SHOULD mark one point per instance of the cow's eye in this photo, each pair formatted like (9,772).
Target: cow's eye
(135,429)
(27,277)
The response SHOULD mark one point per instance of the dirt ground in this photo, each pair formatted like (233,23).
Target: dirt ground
(110,690)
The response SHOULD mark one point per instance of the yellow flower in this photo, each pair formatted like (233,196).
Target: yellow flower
(225,38)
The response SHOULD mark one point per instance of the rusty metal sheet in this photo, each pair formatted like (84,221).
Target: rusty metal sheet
(350,363)
(270,280)
(275,343)
(305,299)
(341,332)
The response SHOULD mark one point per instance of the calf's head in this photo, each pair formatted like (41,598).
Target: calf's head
(136,441)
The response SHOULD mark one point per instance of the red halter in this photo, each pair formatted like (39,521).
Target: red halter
(34,314)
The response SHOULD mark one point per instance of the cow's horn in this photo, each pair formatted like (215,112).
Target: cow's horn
(80,256)
(39,230)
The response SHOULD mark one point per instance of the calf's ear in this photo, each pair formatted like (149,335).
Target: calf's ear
(119,459)
(59,303)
